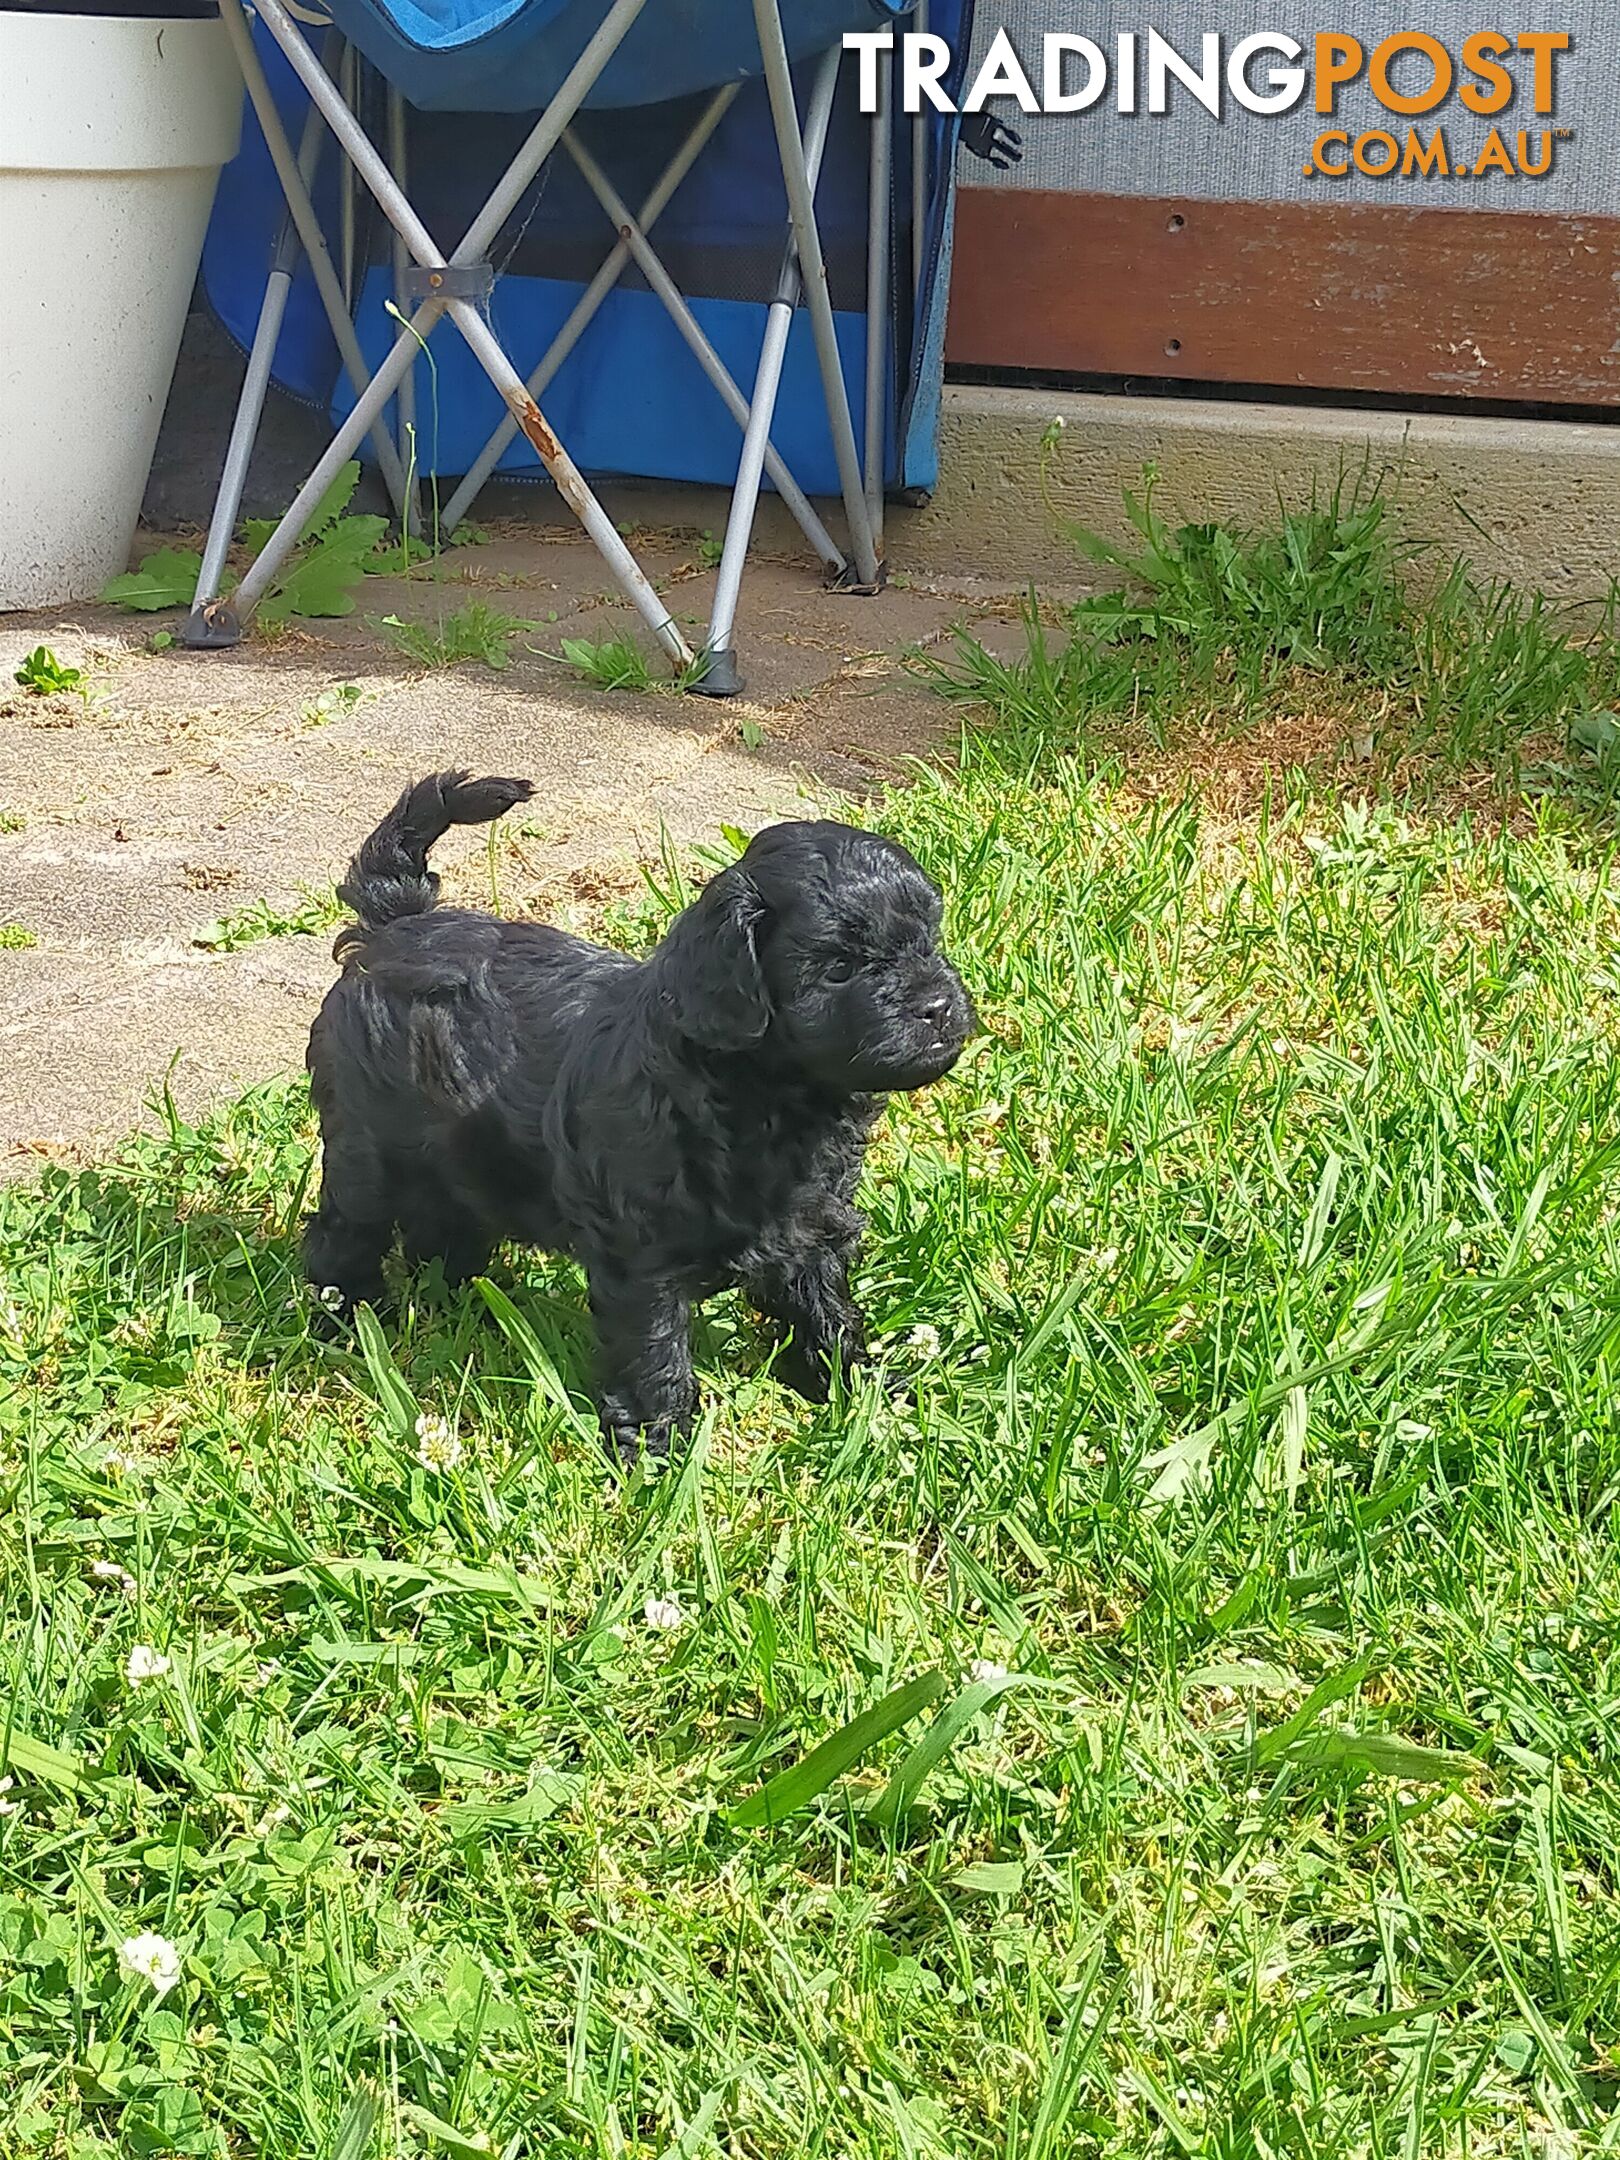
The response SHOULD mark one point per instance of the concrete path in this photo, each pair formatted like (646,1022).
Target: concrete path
(189,787)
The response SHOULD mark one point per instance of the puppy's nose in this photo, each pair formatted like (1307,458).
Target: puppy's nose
(947,1009)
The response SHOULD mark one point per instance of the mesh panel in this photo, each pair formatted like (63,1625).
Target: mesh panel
(720,238)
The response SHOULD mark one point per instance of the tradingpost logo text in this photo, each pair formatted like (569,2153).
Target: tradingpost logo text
(1458,108)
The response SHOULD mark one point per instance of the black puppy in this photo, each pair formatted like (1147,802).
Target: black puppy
(678,1124)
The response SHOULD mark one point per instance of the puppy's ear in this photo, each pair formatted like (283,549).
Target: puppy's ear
(710,978)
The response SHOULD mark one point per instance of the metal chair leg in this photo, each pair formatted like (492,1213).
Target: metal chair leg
(373,170)
(880,189)
(284,257)
(721,677)
(817,294)
(310,235)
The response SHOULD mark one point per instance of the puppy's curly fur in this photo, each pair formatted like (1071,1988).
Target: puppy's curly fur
(678,1124)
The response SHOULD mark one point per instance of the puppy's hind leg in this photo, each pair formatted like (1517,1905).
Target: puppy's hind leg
(350,1232)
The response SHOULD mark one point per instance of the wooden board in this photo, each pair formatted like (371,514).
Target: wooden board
(1329,296)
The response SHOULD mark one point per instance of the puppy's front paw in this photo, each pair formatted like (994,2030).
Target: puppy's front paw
(645,1447)
(629,1441)
(811,1372)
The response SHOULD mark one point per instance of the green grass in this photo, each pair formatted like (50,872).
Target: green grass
(1253,1286)
(618,663)
(15,938)
(615,663)
(474,632)
(312,915)
(1330,613)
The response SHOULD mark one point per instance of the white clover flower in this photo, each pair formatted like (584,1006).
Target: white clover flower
(985,1669)
(8,1806)
(110,1571)
(663,1613)
(331,1296)
(268,1669)
(144,1663)
(438,1447)
(924,1340)
(120,1462)
(151,1958)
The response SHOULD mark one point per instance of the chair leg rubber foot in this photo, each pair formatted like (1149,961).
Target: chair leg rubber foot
(720,678)
(849,580)
(215,628)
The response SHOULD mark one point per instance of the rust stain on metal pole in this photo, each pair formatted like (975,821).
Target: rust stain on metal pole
(570,486)
(532,421)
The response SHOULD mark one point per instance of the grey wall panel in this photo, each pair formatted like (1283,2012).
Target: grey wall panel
(1253,158)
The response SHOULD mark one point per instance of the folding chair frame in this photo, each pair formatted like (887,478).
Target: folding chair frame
(456,286)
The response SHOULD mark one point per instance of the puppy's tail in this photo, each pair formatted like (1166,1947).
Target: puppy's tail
(389,876)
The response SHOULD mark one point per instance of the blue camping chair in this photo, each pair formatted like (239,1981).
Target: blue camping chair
(581,62)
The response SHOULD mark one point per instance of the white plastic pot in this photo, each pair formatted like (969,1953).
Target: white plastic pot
(112,135)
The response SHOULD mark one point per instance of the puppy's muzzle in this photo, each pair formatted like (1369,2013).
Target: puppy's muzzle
(945,1018)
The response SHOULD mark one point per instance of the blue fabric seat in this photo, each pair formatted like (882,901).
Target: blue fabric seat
(511,55)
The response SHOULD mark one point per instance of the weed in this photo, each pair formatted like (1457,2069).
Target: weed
(1490,666)
(330,560)
(332,704)
(618,663)
(167,578)
(402,556)
(615,663)
(319,579)
(314,913)
(14,938)
(1323,591)
(1042,690)
(750,734)
(44,675)
(475,632)
(710,548)
(12,821)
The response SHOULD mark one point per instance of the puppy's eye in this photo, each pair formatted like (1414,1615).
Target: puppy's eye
(842,970)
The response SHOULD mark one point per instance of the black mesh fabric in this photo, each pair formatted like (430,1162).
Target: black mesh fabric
(718,239)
